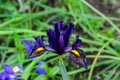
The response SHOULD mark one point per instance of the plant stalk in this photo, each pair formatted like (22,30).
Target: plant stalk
(63,69)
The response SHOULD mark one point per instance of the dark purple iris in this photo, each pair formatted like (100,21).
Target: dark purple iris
(10,72)
(58,39)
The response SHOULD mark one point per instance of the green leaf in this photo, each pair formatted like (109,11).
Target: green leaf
(41,77)
(18,45)
(53,71)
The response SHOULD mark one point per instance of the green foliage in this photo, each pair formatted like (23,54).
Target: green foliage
(26,19)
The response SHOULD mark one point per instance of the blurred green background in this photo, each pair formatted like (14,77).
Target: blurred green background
(97,23)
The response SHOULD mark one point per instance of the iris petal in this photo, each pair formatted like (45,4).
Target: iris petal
(68,33)
(29,45)
(59,37)
(56,27)
(34,48)
(17,69)
(8,69)
(39,41)
(78,58)
(77,43)
(68,48)
(51,38)
(36,52)
(3,76)
(61,42)
(41,70)
(49,48)
(39,50)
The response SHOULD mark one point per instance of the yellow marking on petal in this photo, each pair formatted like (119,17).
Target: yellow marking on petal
(75,52)
(15,69)
(38,50)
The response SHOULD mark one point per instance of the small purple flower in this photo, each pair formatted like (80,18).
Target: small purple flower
(58,39)
(34,48)
(9,73)
(40,69)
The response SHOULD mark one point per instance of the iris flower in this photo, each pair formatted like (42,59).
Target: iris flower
(58,39)
(36,48)
(10,72)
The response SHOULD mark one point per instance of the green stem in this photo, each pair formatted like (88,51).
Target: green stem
(96,58)
(63,69)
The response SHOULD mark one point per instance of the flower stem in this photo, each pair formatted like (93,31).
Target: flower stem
(63,69)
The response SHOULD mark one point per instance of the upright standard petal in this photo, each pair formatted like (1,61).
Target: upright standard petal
(59,37)
(68,33)
(57,29)
(52,39)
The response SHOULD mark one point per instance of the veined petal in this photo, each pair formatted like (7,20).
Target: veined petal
(35,48)
(36,52)
(68,48)
(61,42)
(57,28)
(59,37)
(51,38)
(68,33)
(62,27)
(78,57)
(49,48)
